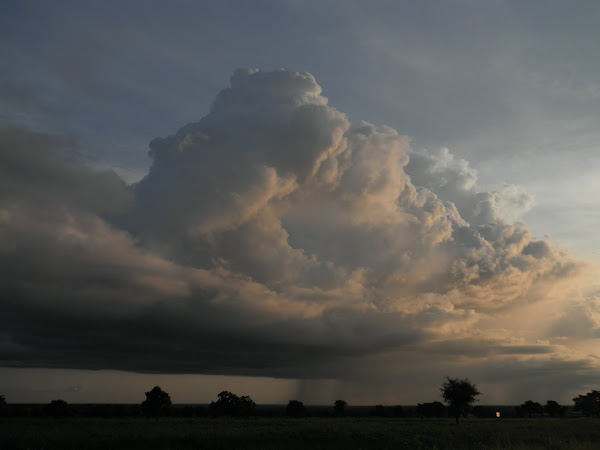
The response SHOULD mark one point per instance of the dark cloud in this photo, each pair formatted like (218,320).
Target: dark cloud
(44,170)
(272,237)
(24,97)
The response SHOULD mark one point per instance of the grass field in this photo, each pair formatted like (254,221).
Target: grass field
(307,433)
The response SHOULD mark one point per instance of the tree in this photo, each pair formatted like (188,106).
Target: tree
(57,408)
(295,408)
(531,408)
(229,404)
(379,411)
(157,403)
(588,404)
(339,408)
(398,411)
(431,409)
(553,409)
(483,411)
(459,394)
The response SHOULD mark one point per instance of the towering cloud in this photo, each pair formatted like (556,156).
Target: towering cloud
(274,237)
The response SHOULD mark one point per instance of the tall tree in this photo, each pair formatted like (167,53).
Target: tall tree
(588,404)
(459,394)
(157,403)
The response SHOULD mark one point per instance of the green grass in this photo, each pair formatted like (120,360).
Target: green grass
(308,433)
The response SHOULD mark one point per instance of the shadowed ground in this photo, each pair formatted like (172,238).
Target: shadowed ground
(310,433)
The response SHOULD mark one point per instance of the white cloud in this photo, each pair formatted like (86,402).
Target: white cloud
(272,237)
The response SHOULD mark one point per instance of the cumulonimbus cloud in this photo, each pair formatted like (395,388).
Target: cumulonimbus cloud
(271,237)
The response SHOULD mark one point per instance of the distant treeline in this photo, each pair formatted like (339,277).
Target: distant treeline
(158,404)
(424,410)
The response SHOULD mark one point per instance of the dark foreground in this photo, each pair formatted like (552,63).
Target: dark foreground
(308,433)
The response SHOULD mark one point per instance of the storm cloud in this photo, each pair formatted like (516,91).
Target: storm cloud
(274,237)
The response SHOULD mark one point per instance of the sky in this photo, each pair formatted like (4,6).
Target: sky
(299,200)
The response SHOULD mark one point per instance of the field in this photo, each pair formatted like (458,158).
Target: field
(305,433)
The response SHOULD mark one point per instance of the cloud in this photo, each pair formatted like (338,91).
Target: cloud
(22,96)
(272,237)
(44,170)
(454,180)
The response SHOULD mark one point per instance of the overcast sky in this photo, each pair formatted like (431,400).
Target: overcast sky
(289,199)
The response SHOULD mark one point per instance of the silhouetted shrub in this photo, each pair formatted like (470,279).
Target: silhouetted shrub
(432,409)
(339,408)
(295,408)
(531,409)
(554,409)
(381,411)
(230,404)
(57,409)
(484,412)
(398,411)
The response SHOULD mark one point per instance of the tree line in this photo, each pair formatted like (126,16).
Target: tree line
(458,394)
